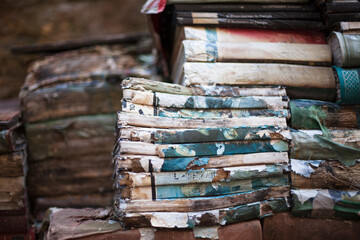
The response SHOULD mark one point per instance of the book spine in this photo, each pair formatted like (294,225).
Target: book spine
(215,217)
(163,112)
(141,163)
(204,102)
(202,149)
(71,101)
(253,35)
(312,114)
(202,134)
(251,23)
(199,176)
(321,174)
(205,189)
(200,204)
(250,15)
(179,123)
(261,74)
(308,54)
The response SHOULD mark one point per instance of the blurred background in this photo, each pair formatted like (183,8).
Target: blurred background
(26,22)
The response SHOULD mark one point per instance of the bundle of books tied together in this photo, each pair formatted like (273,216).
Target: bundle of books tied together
(186,157)
(69,102)
(14,207)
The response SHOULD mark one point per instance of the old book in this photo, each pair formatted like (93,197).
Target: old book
(201,90)
(13,164)
(199,203)
(71,137)
(191,190)
(342,145)
(345,49)
(282,225)
(159,99)
(131,38)
(191,113)
(244,7)
(247,35)
(326,203)
(256,14)
(179,123)
(201,149)
(321,174)
(79,82)
(9,113)
(342,17)
(11,132)
(133,180)
(312,114)
(346,27)
(298,53)
(74,99)
(201,134)
(252,23)
(142,163)
(242,35)
(342,7)
(348,82)
(222,216)
(94,63)
(261,74)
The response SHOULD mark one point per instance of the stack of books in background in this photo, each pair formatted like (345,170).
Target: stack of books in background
(187,158)
(69,102)
(14,207)
(339,14)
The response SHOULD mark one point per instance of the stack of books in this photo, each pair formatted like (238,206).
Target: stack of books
(246,44)
(215,165)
